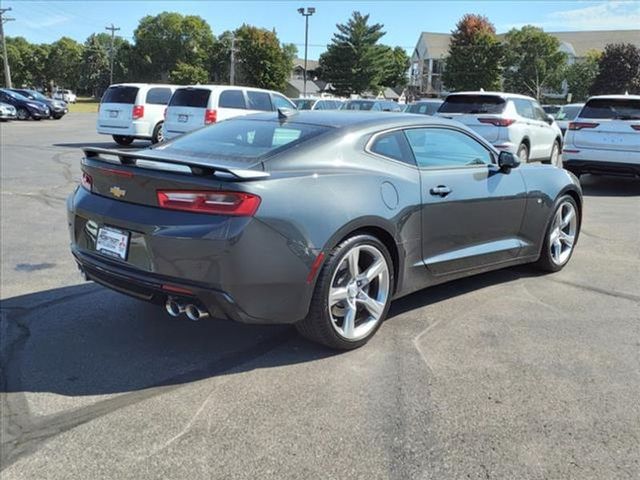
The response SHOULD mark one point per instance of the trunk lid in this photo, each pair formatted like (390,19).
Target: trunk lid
(186,110)
(607,123)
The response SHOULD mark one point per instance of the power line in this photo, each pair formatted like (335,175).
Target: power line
(5,58)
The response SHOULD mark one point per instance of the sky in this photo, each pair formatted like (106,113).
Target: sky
(45,22)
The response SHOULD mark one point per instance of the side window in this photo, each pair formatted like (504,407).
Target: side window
(231,99)
(280,102)
(259,101)
(524,108)
(376,107)
(158,96)
(539,112)
(320,105)
(440,147)
(392,145)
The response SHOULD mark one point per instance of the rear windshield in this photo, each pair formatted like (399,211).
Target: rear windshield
(242,139)
(613,108)
(302,104)
(358,105)
(190,97)
(426,108)
(472,104)
(569,113)
(120,94)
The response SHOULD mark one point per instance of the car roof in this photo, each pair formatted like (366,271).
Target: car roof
(495,94)
(427,100)
(140,85)
(214,88)
(615,97)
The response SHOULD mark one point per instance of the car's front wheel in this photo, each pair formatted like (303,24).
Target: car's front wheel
(22,114)
(352,294)
(123,140)
(523,153)
(561,235)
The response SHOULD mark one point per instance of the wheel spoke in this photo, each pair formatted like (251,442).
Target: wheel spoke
(557,247)
(371,273)
(567,238)
(373,306)
(349,322)
(353,259)
(566,220)
(337,294)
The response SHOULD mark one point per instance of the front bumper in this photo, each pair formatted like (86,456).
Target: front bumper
(5,115)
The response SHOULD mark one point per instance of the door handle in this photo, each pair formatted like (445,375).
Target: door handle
(440,190)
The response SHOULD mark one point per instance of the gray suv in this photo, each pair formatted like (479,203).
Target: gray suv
(511,122)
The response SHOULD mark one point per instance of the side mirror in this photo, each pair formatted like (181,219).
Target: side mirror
(507,161)
(549,119)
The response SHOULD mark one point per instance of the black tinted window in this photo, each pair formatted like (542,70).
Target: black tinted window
(440,147)
(243,139)
(259,101)
(620,108)
(190,97)
(392,145)
(120,94)
(427,108)
(232,99)
(472,104)
(158,96)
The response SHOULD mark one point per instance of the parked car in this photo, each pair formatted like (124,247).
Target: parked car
(25,108)
(566,114)
(317,103)
(424,107)
(605,137)
(130,111)
(552,110)
(57,108)
(7,112)
(65,95)
(512,123)
(314,218)
(196,106)
(374,105)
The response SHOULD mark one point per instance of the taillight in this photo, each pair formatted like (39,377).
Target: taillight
(138,111)
(636,127)
(238,204)
(86,181)
(498,122)
(581,125)
(210,116)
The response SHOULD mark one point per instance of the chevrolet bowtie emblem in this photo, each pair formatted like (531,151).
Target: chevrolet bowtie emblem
(117,192)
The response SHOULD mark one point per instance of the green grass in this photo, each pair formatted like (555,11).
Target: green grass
(84,105)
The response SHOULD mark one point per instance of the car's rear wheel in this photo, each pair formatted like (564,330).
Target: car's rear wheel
(22,114)
(352,294)
(561,236)
(158,135)
(556,157)
(122,140)
(523,153)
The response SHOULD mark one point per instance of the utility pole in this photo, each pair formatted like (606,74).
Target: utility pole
(306,14)
(232,68)
(113,33)
(5,58)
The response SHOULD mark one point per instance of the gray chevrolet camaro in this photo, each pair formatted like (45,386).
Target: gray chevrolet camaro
(316,218)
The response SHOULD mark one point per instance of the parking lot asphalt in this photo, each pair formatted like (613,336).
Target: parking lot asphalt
(508,375)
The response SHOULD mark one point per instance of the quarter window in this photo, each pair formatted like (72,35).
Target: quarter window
(259,101)
(232,99)
(392,145)
(440,147)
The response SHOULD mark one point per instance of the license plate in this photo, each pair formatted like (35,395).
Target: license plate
(183,118)
(113,113)
(112,242)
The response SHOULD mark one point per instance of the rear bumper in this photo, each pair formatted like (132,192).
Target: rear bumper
(136,129)
(602,167)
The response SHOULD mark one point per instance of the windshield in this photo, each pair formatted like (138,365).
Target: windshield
(569,112)
(34,94)
(358,105)
(120,94)
(303,103)
(553,110)
(242,139)
(473,104)
(612,108)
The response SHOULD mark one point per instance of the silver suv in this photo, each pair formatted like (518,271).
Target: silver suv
(511,122)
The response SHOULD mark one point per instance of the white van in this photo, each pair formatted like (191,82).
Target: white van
(199,105)
(134,110)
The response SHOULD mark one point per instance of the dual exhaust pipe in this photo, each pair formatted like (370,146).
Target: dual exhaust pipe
(193,312)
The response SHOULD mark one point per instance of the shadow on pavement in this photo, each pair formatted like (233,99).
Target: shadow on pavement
(602,186)
(87,340)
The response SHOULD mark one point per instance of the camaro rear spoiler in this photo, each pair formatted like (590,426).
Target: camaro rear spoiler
(170,163)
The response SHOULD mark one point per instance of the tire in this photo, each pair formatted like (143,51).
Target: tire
(22,114)
(523,153)
(556,157)
(158,136)
(325,323)
(552,260)
(57,117)
(123,140)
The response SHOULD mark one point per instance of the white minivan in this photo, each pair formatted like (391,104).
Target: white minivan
(134,110)
(199,105)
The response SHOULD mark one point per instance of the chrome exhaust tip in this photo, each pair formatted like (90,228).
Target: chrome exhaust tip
(194,313)
(173,308)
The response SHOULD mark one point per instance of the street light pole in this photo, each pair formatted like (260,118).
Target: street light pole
(306,14)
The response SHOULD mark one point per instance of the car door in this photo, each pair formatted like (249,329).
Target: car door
(471,210)
(546,134)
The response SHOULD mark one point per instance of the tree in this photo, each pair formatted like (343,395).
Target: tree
(397,64)
(475,56)
(63,63)
(186,74)
(533,62)
(261,61)
(352,62)
(618,70)
(164,40)
(94,77)
(581,75)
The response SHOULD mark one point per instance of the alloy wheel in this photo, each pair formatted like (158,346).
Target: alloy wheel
(22,114)
(359,292)
(556,160)
(563,233)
